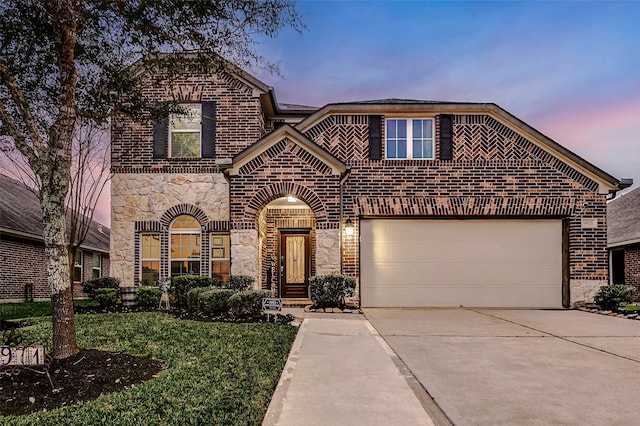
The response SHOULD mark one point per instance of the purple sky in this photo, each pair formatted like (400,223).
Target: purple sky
(570,69)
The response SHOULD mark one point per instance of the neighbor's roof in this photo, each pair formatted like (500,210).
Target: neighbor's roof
(623,219)
(20,216)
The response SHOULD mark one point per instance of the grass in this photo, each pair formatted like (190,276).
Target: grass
(9,311)
(219,373)
(634,308)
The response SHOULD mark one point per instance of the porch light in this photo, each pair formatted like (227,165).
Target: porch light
(291,199)
(348,228)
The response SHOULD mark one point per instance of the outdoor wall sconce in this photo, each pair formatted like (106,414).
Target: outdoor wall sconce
(348,228)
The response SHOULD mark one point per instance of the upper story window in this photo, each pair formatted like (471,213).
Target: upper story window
(185,132)
(409,138)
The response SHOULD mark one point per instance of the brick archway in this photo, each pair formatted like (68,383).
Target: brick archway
(181,209)
(283,189)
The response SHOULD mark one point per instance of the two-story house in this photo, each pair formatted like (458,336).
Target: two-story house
(426,203)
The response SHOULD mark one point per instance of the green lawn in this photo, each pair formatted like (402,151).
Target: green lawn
(9,311)
(219,373)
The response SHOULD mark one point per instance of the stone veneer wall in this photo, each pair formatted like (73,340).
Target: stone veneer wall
(245,254)
(146,199)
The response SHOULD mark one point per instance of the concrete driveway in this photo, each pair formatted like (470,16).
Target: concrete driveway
(520,367)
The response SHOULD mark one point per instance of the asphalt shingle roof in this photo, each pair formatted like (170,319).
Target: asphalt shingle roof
(20,215)
(623,218)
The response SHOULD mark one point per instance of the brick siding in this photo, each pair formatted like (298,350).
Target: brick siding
(632,268)
(23,262)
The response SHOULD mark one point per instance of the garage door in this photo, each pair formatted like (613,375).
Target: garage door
(483,263)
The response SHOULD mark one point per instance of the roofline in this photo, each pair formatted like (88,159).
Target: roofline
(611,183)
(270,139)
(623,243)
(40,238)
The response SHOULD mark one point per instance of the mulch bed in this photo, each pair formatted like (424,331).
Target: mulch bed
(91,373)
(77,379)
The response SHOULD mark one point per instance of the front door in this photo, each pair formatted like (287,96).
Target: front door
(294,264)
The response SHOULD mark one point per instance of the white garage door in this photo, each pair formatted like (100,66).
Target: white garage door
(483,263)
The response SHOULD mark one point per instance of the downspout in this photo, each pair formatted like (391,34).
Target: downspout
(343,179)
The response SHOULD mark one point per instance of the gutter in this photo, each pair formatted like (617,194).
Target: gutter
(623,183)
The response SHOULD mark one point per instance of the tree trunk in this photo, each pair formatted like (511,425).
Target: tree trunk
(52,196)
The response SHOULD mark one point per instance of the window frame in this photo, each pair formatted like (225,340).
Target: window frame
(78,265)
(149,259)
(185,231)
(191,107)
(409,138)
(93,265)
(227,246)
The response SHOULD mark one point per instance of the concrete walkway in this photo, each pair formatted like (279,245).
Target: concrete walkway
(341,372)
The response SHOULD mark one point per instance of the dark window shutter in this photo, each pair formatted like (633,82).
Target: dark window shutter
(208,129)
(160,137)
(375,137)
(446,137)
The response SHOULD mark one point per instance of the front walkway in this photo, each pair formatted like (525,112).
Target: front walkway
(341,372)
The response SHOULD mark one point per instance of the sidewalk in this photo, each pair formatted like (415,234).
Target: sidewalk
(341,372)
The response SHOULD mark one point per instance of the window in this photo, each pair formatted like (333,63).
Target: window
(220,256)
(97,265)
(185,246)
(185,132)
(409,138)
(150,259)
(77,267)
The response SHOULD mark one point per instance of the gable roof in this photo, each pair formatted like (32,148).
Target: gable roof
(20,216)
(606,182)
(623,219)
(285,131)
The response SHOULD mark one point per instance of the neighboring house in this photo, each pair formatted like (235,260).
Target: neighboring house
(426,203)
(22,257)
(623,217)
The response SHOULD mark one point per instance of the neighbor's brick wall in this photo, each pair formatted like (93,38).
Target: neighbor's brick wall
(23,262)
(632,268)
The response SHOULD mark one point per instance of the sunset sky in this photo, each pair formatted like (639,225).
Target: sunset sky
(570,69)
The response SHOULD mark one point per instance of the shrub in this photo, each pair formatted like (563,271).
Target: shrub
(609,297)
(240,282)
(182,284)
(106,296)
(193,297)
(148,296)
(215,301)
(329,291)
(247,303)
(91,286)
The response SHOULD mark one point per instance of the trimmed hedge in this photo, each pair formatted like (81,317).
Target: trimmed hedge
(215,301)
(106,296)
(91,286)
(148,296)
(181,285)
(609,297)
(329,291)
(240,282)
(247,303)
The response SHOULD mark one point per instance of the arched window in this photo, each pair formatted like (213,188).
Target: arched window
(185,246)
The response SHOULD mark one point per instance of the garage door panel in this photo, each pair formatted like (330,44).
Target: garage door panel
(485,263)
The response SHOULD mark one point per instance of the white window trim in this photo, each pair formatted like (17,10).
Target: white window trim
(409,121)
(172,130)
(99,268)
(80,265)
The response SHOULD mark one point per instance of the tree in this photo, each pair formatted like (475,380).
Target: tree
(65,60)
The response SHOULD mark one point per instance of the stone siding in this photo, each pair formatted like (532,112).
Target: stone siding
(148,202)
